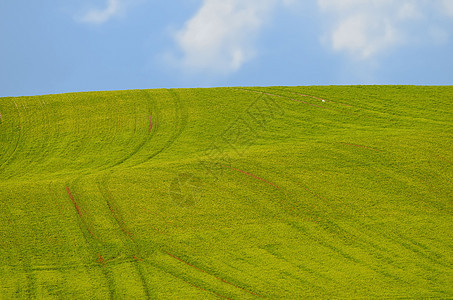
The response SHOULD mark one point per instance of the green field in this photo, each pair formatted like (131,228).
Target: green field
(238,193)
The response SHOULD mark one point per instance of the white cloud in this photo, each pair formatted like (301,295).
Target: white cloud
(219,38)
(99,16)
(447,7)
(366,28)
(360,34)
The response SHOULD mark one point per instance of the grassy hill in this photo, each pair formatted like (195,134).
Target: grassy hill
(239,193)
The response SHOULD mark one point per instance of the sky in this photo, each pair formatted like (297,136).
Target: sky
(54,46)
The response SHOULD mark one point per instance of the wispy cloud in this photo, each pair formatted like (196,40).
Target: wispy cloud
(99,16)
(366,28)
(219,38)
(447,7)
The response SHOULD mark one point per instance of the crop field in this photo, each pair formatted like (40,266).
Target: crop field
(228,193)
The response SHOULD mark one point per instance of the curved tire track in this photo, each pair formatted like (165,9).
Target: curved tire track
(254,176)
(218,278)
(18,138)
(127,235)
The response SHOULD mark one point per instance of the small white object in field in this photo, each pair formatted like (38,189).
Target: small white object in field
(323,100)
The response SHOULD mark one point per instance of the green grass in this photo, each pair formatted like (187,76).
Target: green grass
(230,193)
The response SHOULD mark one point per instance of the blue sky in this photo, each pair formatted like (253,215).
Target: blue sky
(54,46)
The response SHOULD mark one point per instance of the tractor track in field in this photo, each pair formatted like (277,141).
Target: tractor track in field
(200,288)
(218,278)
(182,119)
(74,125)
(135,150)
(114,209)
(81,214)
(417,248)
(407,244)
(305,269)
(18,138)
(311,96)
(281,96)
(298,100)
(380,253)
(252,175)
(153,110)
(326,244)
(31,114)
(24,259)
(116,127)
(97,248)
(184,279)
(131,246)
(47,127)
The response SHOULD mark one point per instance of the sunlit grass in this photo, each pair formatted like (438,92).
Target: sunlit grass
(276,192)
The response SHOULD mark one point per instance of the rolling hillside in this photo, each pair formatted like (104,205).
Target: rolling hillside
(237,193)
